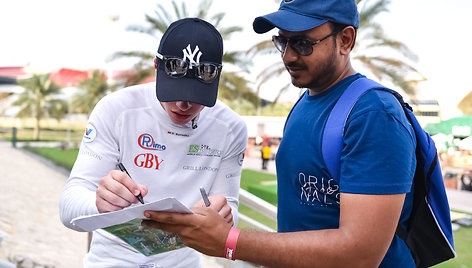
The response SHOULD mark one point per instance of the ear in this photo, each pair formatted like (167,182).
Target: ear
(155,63)
(347,39)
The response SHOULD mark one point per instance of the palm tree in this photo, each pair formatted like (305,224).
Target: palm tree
(39,100)
(91,90)
(370,37)
(157,25)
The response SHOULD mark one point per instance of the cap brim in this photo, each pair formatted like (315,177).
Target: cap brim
(185,89)
(285,20)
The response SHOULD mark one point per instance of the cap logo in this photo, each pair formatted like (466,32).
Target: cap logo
(188,54)
(288,1)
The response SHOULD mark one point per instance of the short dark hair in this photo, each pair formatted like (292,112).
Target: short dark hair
(337,27)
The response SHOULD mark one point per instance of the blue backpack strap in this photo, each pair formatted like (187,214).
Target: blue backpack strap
(428,233)
(332,140)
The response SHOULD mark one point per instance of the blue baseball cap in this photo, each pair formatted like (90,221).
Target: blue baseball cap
(301,15)
(193,40)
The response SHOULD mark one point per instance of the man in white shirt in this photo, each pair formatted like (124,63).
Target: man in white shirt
(171,147)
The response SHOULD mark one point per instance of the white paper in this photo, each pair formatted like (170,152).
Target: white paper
(97,221)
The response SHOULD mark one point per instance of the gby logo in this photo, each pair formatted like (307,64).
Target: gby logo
(146,141)
(148,161)
(203,150)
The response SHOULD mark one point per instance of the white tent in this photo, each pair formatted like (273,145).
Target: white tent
(465,144)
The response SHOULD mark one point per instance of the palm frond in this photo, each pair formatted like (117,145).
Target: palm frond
(228,31)
(262,48)
(217,18)
(280,92)
(203,7)
(163,15)
(146,56)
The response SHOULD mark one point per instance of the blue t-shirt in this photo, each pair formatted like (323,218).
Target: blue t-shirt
(378,157)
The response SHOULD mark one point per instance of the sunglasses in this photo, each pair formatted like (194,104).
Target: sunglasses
(302,46)
(176,67)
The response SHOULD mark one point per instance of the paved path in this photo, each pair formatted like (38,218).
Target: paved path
(29,214)
(460,200)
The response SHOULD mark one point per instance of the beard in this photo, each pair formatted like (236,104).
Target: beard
(319,78)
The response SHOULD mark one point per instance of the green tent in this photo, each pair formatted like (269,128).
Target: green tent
(457,126)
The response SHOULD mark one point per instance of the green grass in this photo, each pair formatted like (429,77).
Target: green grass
(63,158)
(463,246)
(251,177)
(254,182)
(255,216)
(266,192)
(250,180)
(46,135)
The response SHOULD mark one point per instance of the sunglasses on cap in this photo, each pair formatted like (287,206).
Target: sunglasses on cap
(176,67)
(302,46)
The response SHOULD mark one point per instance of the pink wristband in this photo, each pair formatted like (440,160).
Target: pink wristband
(230,246)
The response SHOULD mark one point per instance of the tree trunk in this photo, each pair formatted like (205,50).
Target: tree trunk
(36,128)
(38,118)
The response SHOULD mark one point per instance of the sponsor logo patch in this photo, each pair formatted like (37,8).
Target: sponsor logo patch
(146,141)
(241,158)
(148,160)
(200,168)
(91,154)
(203,150)
(177,134)
(90,133)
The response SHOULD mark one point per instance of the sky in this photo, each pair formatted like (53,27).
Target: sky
(50,34)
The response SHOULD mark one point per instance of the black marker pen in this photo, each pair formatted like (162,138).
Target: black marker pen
(122,168)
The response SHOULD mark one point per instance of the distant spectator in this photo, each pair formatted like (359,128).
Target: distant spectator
(265,154)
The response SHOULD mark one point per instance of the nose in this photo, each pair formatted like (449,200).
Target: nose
(183,105)
(289,54)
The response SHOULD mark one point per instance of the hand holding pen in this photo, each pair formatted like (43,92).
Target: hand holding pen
(220,204)
(122,168)
(117,190)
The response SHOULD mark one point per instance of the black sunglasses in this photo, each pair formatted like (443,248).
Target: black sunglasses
(302,46)
(176,67)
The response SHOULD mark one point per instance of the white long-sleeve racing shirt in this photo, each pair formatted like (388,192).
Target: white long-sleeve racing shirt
(130,126)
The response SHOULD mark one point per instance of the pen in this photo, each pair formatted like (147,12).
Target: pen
(205,196)
(122,168)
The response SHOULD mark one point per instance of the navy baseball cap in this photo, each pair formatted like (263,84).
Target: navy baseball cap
(195,41)
(301,15)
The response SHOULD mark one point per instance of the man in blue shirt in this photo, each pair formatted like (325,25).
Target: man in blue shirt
(323,222)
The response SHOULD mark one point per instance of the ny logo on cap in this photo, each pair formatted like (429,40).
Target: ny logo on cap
(188,54)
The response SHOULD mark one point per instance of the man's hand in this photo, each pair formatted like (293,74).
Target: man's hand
(117,191)
(205,230)
(220,205)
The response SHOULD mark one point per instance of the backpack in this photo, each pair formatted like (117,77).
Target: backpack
(428,233)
